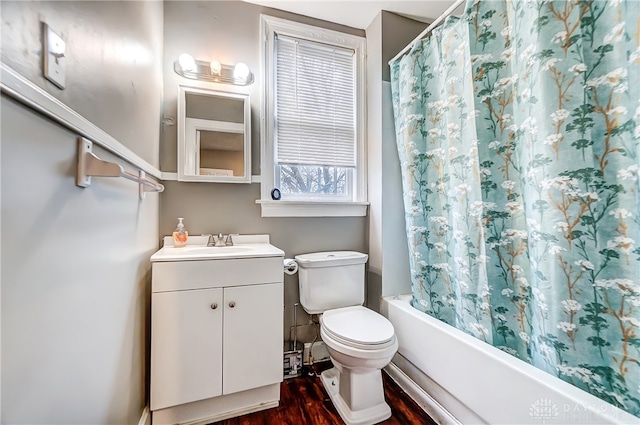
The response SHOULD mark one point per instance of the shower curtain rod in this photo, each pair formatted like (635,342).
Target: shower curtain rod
(434,24)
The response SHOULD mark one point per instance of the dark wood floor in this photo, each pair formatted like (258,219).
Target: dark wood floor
(303,401)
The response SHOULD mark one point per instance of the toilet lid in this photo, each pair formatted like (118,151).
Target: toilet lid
(358,325)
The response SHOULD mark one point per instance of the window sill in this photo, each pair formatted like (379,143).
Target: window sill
(312,209)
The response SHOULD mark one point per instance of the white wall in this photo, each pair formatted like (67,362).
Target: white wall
(75,272)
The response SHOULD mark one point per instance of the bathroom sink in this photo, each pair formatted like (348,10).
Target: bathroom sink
(255,247)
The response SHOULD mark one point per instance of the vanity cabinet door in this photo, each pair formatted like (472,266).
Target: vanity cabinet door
(186,346)
(252,336)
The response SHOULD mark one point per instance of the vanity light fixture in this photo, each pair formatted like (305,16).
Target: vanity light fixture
(213,71)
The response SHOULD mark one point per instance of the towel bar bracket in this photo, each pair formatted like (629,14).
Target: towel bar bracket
(82,178)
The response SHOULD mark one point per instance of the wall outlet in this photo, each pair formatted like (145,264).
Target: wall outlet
(320,353)
(53,51)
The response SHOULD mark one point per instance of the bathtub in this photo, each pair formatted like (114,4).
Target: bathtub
(460,379)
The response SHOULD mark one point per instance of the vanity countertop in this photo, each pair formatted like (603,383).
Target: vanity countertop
(244,246)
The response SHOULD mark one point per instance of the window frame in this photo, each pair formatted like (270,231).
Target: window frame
(314,206)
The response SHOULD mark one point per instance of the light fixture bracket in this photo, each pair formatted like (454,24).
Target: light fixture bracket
(203,73)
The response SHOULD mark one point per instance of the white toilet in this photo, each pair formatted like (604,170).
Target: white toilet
(360,341)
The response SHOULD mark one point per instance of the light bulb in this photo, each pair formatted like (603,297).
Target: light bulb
(241,71)
(187,62)
(216,67)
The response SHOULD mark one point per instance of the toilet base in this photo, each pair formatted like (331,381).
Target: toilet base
(375,413)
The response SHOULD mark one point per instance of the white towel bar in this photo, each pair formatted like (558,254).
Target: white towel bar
(90,165)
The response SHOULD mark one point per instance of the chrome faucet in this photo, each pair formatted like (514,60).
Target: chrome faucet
(219,239)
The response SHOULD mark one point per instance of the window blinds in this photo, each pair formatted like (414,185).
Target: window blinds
(315,103)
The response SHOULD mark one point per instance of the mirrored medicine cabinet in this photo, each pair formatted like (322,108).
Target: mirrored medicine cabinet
(214,136)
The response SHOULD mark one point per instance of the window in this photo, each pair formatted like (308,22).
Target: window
(313,123)
(315,119)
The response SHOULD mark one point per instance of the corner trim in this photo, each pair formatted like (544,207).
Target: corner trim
(434,409)
(169,176)
(145,418)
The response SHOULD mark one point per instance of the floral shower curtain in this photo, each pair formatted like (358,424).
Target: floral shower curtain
(518,128)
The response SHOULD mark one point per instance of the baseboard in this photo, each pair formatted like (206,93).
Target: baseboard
(218,408)
(434,409)
(145,418)
(233,414)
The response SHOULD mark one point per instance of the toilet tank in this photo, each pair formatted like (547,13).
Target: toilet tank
(331,280)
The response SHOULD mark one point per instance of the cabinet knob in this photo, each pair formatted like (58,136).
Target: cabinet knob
(214,306)
(232,304)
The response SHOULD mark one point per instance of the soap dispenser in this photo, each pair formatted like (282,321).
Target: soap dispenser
(180,235)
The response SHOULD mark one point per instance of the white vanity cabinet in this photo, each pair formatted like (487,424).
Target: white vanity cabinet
(252,347)
(216,337)
(186,346)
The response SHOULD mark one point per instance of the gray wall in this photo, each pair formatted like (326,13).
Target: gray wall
(75,271)
(374,159)
(397,32)
(231,208)
(229,31)
(389,272)
(113,55)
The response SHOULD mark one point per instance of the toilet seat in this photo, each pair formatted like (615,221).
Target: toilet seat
(358,327)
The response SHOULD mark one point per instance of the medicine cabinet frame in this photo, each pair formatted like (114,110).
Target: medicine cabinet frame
(189,130)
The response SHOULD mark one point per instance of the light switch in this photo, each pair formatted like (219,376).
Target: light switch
(54,59)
